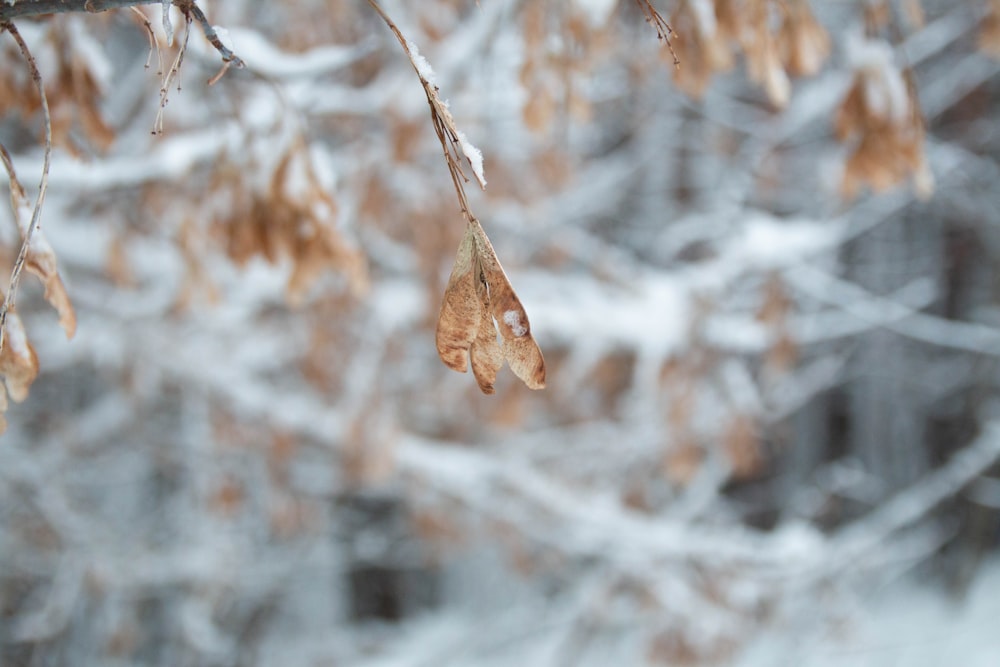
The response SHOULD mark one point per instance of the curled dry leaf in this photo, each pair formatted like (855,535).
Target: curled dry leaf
(41,258)
(18,365)
(479,302)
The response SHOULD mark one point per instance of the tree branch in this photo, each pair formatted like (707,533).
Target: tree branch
(15,276)
(29,8)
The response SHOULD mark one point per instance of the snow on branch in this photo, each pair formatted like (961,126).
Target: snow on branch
(914,503)
(34,8)
(895,316)
(591,526)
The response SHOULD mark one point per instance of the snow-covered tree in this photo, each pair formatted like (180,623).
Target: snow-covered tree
(755,238)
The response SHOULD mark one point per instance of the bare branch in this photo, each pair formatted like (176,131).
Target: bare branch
(153,45)
(663,30)
(15,276)
(227,55)
(452,140)
(30,8)
(915,502)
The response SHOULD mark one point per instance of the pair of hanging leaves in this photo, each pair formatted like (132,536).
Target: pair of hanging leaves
(479,303)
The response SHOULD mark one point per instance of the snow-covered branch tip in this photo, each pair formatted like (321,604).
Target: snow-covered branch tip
(15,276)
(453,141)
(228,57)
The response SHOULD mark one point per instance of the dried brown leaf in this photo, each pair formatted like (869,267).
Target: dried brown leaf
(519,347)
(41,258)
(461,312)
(478,303)
(18,361)
(486,353)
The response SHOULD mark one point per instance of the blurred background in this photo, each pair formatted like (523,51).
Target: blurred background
(765,282)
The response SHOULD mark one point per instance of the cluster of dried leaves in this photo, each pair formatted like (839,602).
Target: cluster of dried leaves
(881,123)
(293,219)
(554,74)
(777,40)
(879,120)
(74,87)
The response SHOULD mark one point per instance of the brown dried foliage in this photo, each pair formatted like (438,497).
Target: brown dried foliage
(18,365)
(294,219)
(802,42)
(74,92)
(479,303)
(777,40)
(701,50)
(989,30)
(40,259)
(886,141)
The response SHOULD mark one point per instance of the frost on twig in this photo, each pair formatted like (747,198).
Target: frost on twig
(213,36)
(168,27)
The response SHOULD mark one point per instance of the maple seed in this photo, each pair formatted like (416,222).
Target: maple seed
(479,303)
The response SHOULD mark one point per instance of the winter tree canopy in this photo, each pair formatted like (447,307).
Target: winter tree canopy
(720,279)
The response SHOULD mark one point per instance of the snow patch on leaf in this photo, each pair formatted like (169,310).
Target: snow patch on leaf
(513,319)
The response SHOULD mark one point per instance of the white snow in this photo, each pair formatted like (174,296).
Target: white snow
(423,67)
(475,157)
(705,13)
(224,37)
(596,12)
(168,27)
(90,51)
(513,319)
(262,56)
(885,89)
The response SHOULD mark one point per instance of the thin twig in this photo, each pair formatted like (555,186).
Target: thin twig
(218,75)
(444,124)
(15,276)
(227,55)
(175,68)
(153,43)
(663,30)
